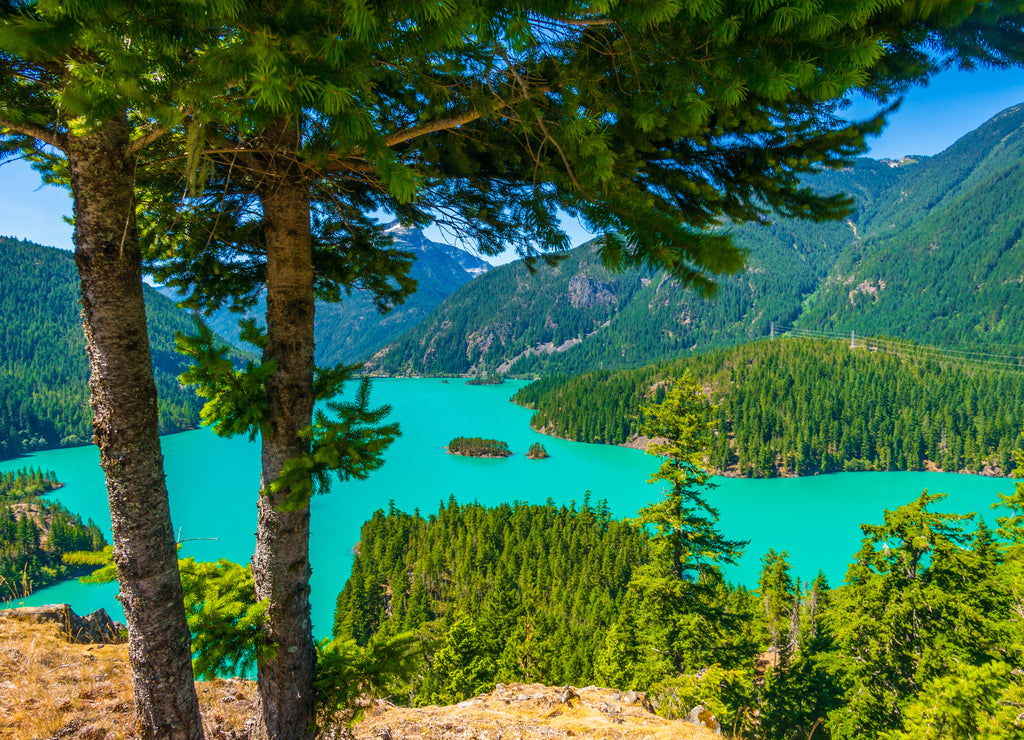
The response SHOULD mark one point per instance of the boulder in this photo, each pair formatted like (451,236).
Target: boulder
(702,716)
(98,627)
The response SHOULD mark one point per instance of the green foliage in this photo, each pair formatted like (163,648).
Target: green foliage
(918,604)
(686,541)
(44,370)
(922,640)
(509,593)
(972,703)
(347,672)
(223,616)
(724,692)
(25,482)
(236,403)
(102,560)
(479,447)
(803,406)
(34,537)
(349,442)
(894,268)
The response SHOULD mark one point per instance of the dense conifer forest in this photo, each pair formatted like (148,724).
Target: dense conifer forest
(505,592)
(479,447)
(35,534)
(802,406)
(920,638)
(44,397)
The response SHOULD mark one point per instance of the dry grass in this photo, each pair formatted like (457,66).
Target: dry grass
(51,688)
(530,712)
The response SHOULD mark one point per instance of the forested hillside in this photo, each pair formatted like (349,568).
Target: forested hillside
(933,253)
(44,397)
(802,406)
(941,259)
(354,329)
(562,595)
(514,590)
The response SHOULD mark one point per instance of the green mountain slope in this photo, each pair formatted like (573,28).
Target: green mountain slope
(353,329)
(43,367)
(932,254)
(578,315)
(949,272)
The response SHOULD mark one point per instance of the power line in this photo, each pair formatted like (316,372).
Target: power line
(905,347)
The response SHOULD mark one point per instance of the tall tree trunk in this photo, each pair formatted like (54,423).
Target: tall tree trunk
(124,404)
(280,564)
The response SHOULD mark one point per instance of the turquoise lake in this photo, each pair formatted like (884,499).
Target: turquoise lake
(213,485)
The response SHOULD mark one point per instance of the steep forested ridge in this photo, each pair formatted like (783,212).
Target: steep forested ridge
(43,367)
(354,329)
(801,406)
(933,253)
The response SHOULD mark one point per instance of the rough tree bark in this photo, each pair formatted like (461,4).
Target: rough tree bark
(280,565)
(124,403)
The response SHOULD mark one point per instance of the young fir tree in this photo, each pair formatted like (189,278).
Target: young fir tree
(918,604)
(680,594)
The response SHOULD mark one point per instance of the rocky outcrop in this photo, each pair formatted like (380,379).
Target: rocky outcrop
(531,712)
(98,627)
(584,292)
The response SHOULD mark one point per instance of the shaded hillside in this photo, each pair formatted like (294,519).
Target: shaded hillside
(43,366)
(579,315)
(932,254)
(354,329)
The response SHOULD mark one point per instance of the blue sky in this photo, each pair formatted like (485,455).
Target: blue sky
(929,120)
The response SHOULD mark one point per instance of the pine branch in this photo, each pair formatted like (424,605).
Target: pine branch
(36,132)
(143,141)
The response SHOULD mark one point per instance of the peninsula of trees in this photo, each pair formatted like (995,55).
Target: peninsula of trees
(34,535)
(802,406)
(478,447)
(30,481)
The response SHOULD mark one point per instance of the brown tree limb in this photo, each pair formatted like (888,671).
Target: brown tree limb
(36,132)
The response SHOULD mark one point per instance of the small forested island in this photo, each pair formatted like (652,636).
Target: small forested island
(537,452)
(478,447)
(35,535)
(490,379)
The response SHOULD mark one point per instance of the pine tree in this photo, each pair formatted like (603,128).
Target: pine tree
(68,113)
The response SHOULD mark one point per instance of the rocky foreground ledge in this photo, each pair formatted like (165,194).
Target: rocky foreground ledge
(535,712)
(98,627)
(65,676)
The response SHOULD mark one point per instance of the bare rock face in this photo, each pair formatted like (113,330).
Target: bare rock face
(98,627)
(531,712)
(585,292)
